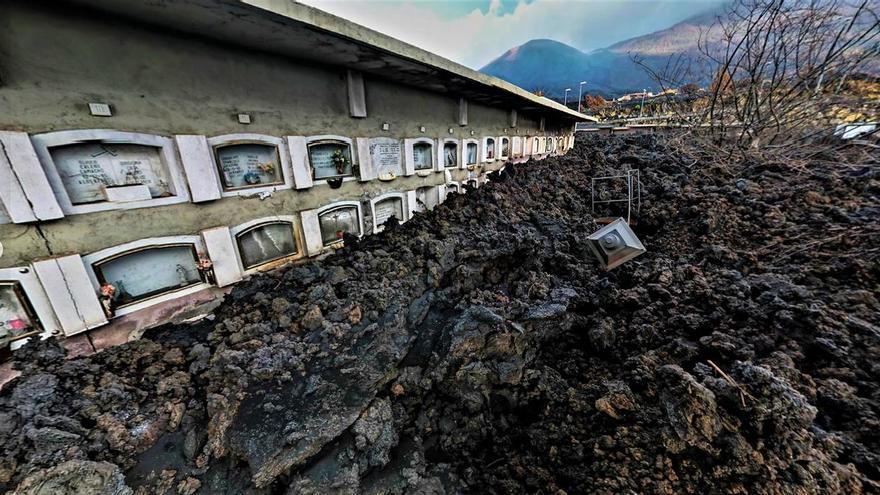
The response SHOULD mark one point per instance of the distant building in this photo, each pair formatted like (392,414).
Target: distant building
(634,96)
(156,153)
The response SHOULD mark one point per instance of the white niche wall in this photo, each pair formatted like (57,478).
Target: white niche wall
(96,169)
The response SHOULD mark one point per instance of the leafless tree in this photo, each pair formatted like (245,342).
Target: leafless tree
(780,68)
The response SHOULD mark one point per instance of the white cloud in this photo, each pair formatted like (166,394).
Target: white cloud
(477,38)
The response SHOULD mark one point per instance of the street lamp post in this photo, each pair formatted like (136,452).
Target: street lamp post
(580,94)
(566,96)
(642,106)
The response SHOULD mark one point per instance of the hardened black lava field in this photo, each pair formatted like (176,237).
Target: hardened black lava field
(479,348)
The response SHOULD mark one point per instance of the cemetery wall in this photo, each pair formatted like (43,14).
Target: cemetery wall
(210,162)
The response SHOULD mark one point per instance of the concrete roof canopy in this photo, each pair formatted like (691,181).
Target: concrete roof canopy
(288,28)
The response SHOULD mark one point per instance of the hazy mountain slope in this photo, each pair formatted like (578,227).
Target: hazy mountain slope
(552,66)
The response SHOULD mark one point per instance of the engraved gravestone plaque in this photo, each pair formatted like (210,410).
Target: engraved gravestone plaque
(86,169)
(386,156)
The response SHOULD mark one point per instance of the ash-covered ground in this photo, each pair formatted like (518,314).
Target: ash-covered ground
(479,348)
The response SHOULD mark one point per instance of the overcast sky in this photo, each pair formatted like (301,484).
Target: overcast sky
(474,32)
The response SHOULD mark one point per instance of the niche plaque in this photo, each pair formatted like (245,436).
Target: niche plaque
(87,169)
(386,156)
(387,208)
(323,159)
(249,165)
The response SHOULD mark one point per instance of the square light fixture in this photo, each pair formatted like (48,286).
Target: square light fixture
(615,244)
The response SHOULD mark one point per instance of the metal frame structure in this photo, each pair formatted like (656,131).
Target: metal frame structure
(633,190)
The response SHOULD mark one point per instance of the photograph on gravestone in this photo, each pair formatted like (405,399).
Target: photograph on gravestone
(385,209)
(471,153)
(149,272)
(338,221)
(423,156)
(330,159)
(87,169)
(17,318)
(450,154)
(264,243)
(490,149)
(386,157)
(244,165)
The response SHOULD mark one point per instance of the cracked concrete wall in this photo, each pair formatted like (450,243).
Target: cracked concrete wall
(56,60)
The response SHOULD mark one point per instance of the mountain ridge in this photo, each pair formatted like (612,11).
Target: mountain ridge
(550,66)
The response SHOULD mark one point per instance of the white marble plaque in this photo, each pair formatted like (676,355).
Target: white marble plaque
(386,156)
(87,168)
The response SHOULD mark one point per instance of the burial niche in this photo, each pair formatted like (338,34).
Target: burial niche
(266,242)
(247,165)
(17,318)
(427,198)
(505,147)
(423,156)
(450,154)
(330,159)
(490,149)
(149,272)
(385,209)
(336,222)
(89,170)
(471,153)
